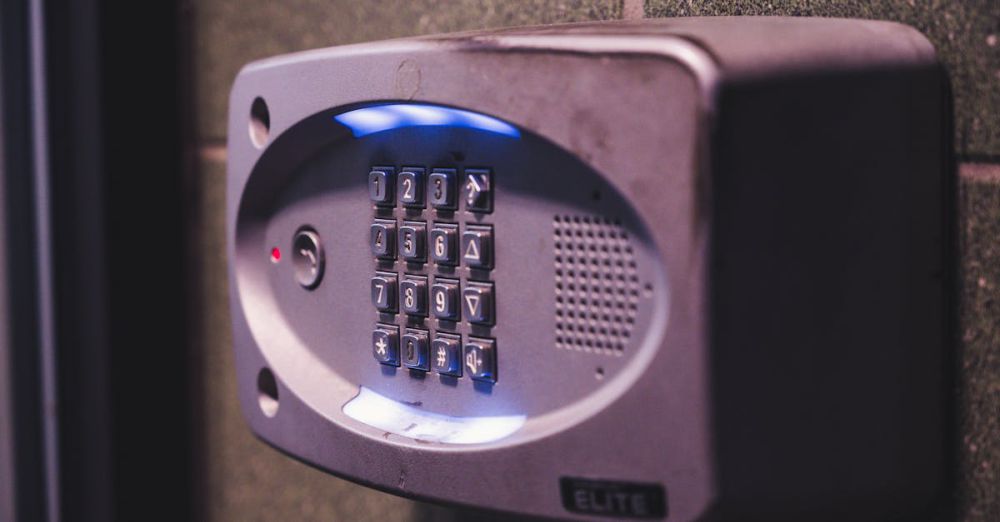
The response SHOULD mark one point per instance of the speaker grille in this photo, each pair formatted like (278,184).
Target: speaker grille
(596,284)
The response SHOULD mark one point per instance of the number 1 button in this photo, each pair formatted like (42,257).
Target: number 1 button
(380,185)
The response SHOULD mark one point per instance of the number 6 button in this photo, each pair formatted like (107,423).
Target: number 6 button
(444,239)
(444,299)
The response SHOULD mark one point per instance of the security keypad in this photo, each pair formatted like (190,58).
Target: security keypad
(434,256)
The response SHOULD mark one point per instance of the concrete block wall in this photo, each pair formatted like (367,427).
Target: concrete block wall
(239,478)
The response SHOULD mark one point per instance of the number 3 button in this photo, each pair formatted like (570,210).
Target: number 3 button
(441,189)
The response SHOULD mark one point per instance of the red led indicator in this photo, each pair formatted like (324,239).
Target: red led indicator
(275,255)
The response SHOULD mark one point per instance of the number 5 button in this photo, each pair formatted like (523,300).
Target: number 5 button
(477,303)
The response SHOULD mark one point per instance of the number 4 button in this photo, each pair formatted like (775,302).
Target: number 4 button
(477,303)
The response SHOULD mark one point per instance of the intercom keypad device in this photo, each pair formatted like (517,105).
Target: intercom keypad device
(436,240)
(684,270)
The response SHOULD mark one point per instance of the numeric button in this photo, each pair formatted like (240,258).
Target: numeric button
(478,190)
(385,344)
(446,354)
(383,239)
(444,244)
(413,295)
(477,246)
(412,239)
(380,186)
(441,189)
(444,299)
(384,292)
(480,359)
(477,303)
(411,187)
(414,349)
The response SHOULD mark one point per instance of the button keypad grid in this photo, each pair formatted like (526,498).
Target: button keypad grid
(434,258)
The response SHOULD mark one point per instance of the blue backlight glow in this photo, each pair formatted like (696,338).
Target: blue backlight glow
(378,118)
(386,414)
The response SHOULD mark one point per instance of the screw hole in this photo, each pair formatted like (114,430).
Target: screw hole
(260,122)
(599,373)
(267,392)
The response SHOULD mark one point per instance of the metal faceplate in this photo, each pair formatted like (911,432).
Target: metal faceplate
(596,269)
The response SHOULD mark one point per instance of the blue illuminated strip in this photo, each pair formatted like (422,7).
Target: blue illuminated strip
(402,419)
(378,118)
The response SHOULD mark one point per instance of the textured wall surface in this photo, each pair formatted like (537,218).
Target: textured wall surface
(242,479)
(966,34)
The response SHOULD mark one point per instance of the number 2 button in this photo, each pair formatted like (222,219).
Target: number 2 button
(411,187)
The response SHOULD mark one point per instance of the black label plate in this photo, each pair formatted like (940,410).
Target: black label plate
(608,498)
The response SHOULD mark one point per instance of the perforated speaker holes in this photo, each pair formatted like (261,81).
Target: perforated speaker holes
(596,284)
